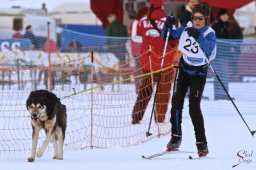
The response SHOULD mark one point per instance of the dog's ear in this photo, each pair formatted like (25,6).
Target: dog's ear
(52,100)
(29,98)
(45,95)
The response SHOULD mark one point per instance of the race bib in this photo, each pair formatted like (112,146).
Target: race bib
(192,53)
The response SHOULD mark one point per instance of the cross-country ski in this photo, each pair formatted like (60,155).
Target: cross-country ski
(165,153)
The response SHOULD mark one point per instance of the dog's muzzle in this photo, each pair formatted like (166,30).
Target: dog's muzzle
(35,116)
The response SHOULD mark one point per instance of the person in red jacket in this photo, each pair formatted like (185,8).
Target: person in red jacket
(150,28)
(17,35)
(136,42)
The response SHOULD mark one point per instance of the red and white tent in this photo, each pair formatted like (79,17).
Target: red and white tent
(102,8)
(229,4)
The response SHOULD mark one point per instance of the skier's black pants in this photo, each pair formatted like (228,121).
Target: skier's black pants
(196,84)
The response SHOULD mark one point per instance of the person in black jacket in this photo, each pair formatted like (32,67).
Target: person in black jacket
(185,15)
(221,25)
(236,34)
(221,28)
(30,35)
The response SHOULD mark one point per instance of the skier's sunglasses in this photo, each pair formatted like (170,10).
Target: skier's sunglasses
(198,18)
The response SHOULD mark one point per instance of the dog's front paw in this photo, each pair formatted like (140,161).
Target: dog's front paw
(39,153)
(58,158)
(31,159)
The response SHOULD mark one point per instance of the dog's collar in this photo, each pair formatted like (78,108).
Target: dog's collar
(42,121)
(35,119)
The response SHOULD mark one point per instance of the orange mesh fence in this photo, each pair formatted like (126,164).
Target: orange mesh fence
(100,98)
(109,101)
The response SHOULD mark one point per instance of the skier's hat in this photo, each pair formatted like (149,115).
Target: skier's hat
(201,8)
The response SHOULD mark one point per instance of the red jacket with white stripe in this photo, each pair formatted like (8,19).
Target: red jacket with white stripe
(152,37)
(136,40)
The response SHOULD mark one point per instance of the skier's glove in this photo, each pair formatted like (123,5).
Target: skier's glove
(192,32)
(170,21)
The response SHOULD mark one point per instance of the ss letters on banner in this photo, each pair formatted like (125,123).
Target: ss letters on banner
(5,45)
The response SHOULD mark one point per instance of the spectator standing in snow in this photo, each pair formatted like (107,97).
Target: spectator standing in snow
(136,41)
(235,33)
(117,29)
(221,62)
(17,35)
(150,28)
(185,13)
(30,35)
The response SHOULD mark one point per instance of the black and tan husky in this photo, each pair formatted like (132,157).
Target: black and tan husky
(47,113)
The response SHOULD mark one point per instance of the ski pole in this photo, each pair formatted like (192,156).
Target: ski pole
(230,98)
(159,78)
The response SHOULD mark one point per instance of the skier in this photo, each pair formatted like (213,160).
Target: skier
(197,43)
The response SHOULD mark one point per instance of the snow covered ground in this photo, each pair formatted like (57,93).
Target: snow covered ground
(230,143)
